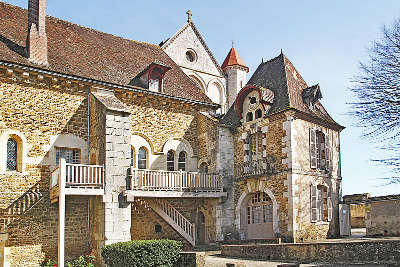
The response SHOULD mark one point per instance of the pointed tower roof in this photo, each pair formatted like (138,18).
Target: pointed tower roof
(233,59)
(290,90)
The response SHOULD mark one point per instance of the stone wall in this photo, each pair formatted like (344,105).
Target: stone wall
(23,256)
(44,112)
(38,111)
(373,251)
(383,219)
(143,226)
(303,176)
(357,215)
(275,184)
(160,120)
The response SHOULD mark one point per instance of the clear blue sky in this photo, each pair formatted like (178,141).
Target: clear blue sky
(325,40)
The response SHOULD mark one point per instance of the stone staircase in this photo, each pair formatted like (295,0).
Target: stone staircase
(173,217)
(20,206)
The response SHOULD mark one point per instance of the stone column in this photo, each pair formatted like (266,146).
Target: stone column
(117,213)
(225,213)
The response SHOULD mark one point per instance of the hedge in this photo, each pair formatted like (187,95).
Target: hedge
(142,253)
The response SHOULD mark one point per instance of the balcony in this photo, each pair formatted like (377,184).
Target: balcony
(159,183)
(254,168)
(76,179)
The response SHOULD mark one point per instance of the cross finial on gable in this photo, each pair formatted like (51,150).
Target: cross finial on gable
(189,13)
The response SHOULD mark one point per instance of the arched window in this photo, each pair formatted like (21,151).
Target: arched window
(258,113)
(259,208)
(133,156)
(203,168)
(249,116)
(170,160)
(182,161)
(142,158)
(12,154)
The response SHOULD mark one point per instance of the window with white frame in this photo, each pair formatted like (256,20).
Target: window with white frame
(321,204)
(320,152)
(259,208)
(71,155)
(142,158)
(182,161)
(171,160)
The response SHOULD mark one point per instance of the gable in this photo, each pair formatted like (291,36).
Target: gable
(188,39)
(82,52)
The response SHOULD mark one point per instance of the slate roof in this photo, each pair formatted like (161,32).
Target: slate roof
(88,53)
(280,76)
(233,59)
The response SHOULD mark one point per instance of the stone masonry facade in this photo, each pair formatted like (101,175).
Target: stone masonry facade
(172,165)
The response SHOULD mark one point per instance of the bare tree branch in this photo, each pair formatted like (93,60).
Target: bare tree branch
(377,93)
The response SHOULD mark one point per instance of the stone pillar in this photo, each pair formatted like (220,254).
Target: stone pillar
(225,213)
(117,213)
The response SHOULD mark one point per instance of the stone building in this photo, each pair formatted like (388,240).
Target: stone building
(220,83)
(379,215)
(105,139)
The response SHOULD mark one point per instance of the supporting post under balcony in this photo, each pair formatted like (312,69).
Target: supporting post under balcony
(73,179)
(159,183)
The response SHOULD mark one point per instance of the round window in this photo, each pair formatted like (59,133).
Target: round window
(190,56)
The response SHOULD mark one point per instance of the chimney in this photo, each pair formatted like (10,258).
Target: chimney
(36,42)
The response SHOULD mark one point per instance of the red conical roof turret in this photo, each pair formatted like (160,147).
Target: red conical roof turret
(233,59)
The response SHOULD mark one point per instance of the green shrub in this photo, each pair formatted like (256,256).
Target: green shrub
(142,253)
(82,261)
(49,263)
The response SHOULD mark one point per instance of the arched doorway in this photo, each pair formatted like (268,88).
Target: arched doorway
(200,222)
(257,216)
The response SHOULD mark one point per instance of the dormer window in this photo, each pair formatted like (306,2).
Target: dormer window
(155,80)
(151,78)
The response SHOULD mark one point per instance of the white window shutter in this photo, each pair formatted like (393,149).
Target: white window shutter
(327,152)
(314,208)
(313,149)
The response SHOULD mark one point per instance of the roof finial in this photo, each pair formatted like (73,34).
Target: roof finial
(233,43)
(281,51)
(262,60)
(189,13)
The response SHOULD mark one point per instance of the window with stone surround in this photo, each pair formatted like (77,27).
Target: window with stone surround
(71,155)
(256,147)
(142,158)
(12,154)
(321,204)
(320,152)
(182,161)
(171,160)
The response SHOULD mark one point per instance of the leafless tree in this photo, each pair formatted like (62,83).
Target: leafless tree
(377,92)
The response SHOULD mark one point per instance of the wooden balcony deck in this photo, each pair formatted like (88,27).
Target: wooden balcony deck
(159,183)
(77,179)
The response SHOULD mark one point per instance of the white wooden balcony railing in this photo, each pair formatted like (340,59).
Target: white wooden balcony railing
(174,181)
(78,179)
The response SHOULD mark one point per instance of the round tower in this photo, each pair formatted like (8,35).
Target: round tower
(235,71)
